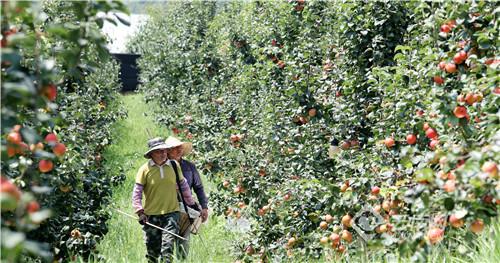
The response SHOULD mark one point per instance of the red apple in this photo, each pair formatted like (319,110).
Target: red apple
(445,28)
(411,139)
(451,68)
(449,186)
(347,236)
(431,133)
(460,57)
(261,212)
(455,221)
(345,145)
(50,91)
(477,226)
(7,187)
(460,112)
(438,80)
(335,238)
(442,175)
(386,205)
(32,207)
(341,249)
(452,23)
(45,166)
(312,112)
(14,137)
(59,149)
(478,97)
(469,98)
(11,151)
(433,143)
(281,64)
(488,199)
(347,221)
(442,65)
(51,138)
(490,168)
(389,142)
(435,235)
(235,138)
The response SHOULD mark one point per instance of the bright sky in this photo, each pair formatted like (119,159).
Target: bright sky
(120,34)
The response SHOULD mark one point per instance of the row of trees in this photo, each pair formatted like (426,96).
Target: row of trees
(59,87)
(308,114)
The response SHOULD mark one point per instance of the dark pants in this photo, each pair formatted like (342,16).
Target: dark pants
(184,245)
(158,242)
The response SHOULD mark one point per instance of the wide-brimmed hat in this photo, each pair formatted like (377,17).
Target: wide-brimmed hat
(155,144)
(173,142)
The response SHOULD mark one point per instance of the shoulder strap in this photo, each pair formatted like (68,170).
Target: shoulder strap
(174,166)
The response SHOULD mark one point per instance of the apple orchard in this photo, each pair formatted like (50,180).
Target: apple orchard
(303,113)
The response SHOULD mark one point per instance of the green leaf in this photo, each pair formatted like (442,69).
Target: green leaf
(122,20)
(43,117)
(406,162)
(425,174)
(30,135)
(484,42)
(26,89)
(449,203)
(9,203)
(402,48)
(12,239)
(40,216)
(58,30)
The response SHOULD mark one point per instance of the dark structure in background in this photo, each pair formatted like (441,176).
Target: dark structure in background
(129,72)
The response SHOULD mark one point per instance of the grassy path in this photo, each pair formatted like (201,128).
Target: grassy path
(124,242)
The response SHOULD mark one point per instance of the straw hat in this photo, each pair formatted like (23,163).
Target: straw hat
(173,142)
(155,144)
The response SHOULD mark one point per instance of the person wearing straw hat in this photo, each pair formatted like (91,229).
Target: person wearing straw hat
(176,149)
(156,180)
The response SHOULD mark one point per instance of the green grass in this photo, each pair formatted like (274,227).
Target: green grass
(124,241)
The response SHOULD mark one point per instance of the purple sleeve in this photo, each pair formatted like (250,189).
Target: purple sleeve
(198,188)
(137,197)
(186,192)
